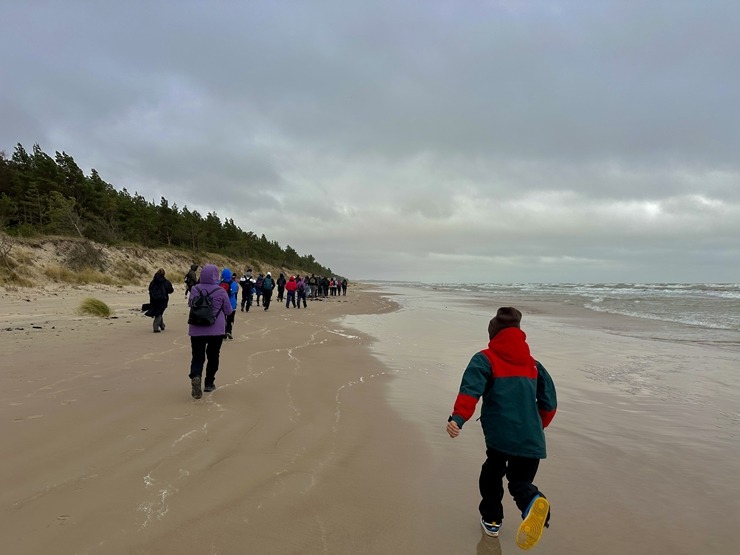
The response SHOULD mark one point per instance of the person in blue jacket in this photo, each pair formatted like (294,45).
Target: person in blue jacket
(519,401)
(230,285)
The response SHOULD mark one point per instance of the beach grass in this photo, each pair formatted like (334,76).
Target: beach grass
(94,307)
(79,277)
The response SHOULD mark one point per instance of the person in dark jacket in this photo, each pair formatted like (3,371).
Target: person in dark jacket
(206,341)
(268,284)
(191,279)
(519,401)
(160,289)
(246,282)
(258,287)
(281,281)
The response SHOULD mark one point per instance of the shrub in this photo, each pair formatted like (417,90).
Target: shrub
(85,255)
(129,271)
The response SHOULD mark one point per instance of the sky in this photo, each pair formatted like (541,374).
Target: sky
(427,140)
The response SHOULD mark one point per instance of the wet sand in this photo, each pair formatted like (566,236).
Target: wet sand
(326,433)
(642,454)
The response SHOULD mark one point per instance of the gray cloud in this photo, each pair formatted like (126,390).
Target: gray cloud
(507,141)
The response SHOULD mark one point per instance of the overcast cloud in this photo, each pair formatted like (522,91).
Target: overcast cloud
(478,141)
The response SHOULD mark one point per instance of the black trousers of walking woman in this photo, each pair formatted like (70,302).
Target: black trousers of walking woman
(202,347)
(520,473)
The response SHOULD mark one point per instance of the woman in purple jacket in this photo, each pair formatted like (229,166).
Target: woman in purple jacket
(205,341)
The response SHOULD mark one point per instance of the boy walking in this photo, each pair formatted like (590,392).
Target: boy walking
(519,401)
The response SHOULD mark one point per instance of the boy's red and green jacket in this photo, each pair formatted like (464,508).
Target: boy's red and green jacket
(519,398)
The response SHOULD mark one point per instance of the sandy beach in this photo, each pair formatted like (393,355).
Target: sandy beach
(326,432)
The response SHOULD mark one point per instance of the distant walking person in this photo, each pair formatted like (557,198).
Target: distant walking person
(206,341)
(160,289)
(268,284)
(281,287)
(191,279)
(246,282)
(228,283)
(313,282)
(291,286)
(258,287)
(344,287)
(301,291)
(519,401)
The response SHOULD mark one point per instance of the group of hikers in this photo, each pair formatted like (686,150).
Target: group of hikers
(293,290)
(213,298)
(519,399)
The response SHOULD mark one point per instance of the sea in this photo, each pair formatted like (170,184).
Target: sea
(704,312)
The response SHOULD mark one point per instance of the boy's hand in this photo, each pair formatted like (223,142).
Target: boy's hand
(453,429)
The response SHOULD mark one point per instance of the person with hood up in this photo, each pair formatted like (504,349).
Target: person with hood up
(519,401)
(258,287)
(291,287)
(232,290)
(301,291)
(206,341)
(281,287)
(160,289)
(190,279)
(268,284)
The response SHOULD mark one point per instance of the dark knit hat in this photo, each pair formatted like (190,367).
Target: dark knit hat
(506,317)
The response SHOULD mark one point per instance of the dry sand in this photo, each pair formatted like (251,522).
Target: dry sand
(312,443)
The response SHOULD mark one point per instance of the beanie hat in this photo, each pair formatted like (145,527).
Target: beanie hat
(506,317)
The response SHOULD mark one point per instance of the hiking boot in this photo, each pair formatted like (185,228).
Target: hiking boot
(209,387)
(490,528)
(535,519)
(195,383)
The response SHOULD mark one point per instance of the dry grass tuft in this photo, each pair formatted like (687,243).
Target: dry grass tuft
(94,307)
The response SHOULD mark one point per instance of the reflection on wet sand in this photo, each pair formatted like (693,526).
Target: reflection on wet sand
(488,546)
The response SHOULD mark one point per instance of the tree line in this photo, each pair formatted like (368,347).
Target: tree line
(44,195)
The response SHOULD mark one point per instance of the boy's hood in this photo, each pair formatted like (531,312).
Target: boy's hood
(510,344)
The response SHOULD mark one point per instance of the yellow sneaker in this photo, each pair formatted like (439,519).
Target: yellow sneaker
(531,528)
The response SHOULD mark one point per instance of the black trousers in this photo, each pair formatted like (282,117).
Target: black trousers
(266,296)
(230,322)
(202,347)
(519,472)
